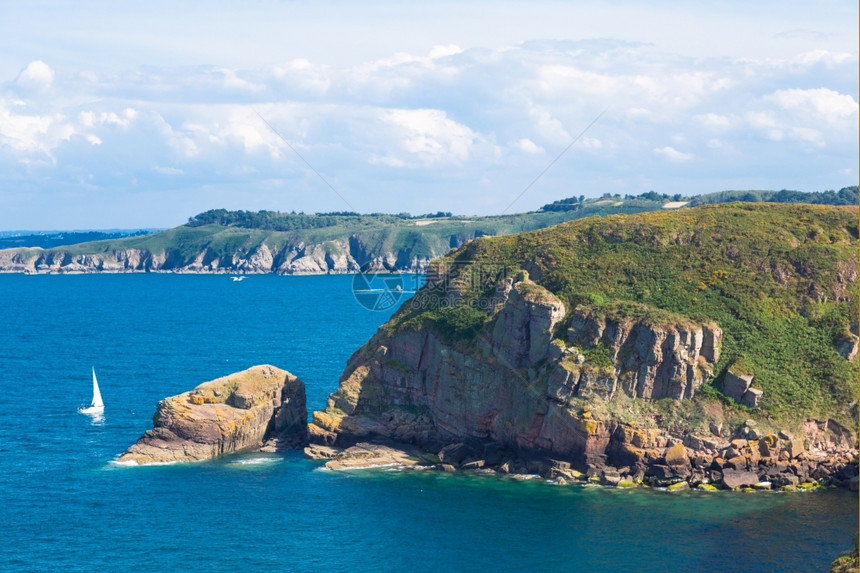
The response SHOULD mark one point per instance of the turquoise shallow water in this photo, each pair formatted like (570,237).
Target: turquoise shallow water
(65,507)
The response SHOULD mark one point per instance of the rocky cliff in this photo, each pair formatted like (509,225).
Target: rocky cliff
(334,256)
(541,362)
(280,243)
(517,385)
(261,406)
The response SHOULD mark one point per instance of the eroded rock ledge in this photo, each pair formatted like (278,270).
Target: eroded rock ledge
(263,406)
(634,457)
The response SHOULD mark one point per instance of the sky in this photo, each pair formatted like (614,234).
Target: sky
(141,114)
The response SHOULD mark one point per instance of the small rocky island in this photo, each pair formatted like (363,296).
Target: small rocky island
(262,407)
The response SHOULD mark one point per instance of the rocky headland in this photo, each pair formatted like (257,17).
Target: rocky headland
(674,349)
(300,258)
(262,407)
(277,243)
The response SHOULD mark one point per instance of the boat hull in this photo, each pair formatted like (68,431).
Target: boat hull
(92,410)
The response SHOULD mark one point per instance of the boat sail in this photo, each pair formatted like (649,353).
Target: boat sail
(97,406)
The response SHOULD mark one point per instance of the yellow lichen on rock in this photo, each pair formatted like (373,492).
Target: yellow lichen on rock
(327,421)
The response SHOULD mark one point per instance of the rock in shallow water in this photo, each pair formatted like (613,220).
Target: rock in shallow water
(263,404)
(369,455)
(738,478)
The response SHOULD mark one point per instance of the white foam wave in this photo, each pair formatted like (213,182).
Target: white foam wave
(257,461)
(132,463)
(388,467)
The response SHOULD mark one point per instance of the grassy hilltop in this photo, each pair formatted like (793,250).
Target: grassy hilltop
(780,280)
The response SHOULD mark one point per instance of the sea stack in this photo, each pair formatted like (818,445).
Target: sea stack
(262,406)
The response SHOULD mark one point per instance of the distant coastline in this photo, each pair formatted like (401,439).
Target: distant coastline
(268,242)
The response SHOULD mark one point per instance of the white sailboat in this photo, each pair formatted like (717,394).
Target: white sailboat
(97,407)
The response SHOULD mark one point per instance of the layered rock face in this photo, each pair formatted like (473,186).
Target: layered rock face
(669,359)
(518,399)
(263,405)
(334,256)
(515,386)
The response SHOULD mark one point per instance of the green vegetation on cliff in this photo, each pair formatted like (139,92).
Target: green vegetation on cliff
(845,196)
(779,279)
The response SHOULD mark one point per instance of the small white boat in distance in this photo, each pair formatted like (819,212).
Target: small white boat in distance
(237,279)
(97,407)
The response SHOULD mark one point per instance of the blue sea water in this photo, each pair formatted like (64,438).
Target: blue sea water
(65,507)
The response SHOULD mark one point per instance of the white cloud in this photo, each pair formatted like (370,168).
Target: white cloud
(627,86)
(714,121)
(672,154)
(301,75)
(428,61)
(823,103)
(765,121)
(37,75)
(386,160)
(230,79)
(802,33)
(431,135)
(826,57)
(431,121)
(95,119)
(244,126)
(807,134)
(443,51)
(23,132)
(167,170)
(813,117)
(33,137)
(526,145)
(592,143)
(548,127)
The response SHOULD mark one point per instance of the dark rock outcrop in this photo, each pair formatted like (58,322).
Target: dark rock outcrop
(846,346)
(737,385)
(263,405)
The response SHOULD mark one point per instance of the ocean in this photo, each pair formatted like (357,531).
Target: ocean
(64,506)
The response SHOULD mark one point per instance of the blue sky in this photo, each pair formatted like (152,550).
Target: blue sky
(141,114)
